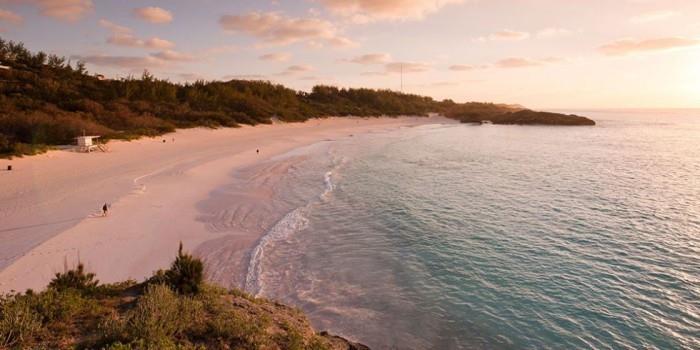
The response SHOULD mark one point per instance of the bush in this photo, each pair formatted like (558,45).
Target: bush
(235,330)
(76,279)
(186,273)
(18,321)
(58,306)
(159,316)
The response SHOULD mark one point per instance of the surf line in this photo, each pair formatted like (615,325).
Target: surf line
(292,222)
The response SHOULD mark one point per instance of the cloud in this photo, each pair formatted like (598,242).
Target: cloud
(362,11)
(627,46)
(153,60)
(132,62)
(553,32)
(442,84)
(373,74)
(153,14)
(276,29)
(123,36)
(244,77)
(295,70)
(299,68)
(522,62)
(372,58)
(461,67)
(276,57)
(517,62)
(9,16)
(406,67)
(65,10)
(158,59)
(173,56)
(553,59)
(655,16)
(218,50)
(341,41)
(505,34)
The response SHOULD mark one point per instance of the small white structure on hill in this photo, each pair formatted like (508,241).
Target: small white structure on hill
(86,143)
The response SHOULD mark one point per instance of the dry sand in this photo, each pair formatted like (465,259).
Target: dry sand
(50,204)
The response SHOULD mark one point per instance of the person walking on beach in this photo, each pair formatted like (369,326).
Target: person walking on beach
(257,151)
(105,208)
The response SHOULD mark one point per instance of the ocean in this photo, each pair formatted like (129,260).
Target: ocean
(453,236)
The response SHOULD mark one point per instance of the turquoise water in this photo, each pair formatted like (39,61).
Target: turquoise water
(499,237)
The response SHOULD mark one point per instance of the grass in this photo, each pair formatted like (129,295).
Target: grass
(75,312)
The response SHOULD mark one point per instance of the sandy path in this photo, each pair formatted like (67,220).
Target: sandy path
(49,204)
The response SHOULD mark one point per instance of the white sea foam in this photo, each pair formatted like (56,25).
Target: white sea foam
(294,221)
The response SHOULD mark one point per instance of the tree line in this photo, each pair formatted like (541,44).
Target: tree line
(48,100)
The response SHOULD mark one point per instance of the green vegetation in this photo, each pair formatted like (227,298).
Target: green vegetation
(77,313)
(524,117)
(76,279)
(185,276)
(45,100)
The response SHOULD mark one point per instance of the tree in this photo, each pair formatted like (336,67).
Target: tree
(186,273)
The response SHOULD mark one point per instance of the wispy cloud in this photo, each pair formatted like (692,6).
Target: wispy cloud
(296,69)
(407,67)
(153,14)
(524,62)
(362,11)
(628,46)
(131,62)
(173,56)
(655,16)
(244,77)
(373,74)
(505,34)
(123,36)
(461,67)
(153,60)
(65,10)
(372,58)
(276,57)
(299,68)
(276,29)
(9,16)
(553,32)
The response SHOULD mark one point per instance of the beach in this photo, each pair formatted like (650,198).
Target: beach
(51,204)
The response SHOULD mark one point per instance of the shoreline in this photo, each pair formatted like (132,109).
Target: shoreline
(50,206)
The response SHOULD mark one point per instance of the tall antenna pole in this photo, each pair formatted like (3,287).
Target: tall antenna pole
(402,77)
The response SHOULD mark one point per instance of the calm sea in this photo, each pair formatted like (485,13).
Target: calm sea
(497,237)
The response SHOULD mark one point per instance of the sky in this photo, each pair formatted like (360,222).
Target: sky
(537,53)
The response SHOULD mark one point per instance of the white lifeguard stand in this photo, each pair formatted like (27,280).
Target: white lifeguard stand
(87,144)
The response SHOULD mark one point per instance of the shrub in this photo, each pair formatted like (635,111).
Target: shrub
(232,328)
(58,306)
(76,279)
(18,321)
(159,316)
(186,273)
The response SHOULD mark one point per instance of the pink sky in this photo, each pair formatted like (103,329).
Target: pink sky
(539,53)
